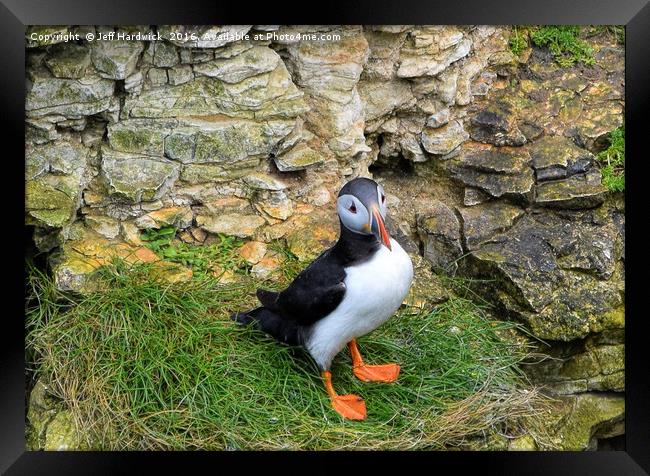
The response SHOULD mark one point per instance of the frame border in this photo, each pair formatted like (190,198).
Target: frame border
(16,15)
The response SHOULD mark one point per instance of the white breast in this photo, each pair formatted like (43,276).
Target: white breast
(374,291)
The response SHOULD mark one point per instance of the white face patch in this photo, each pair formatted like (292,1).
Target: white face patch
(353,213)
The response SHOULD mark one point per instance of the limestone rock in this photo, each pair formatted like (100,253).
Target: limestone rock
(329,72)
(105,226)
(180,75)
(474,196)
(137,177)
(501,172)
(253,251)
(438,119)
(55,177)
(69,61)
(536,262)
(275,204)
(593,364)
(309,233)
(484,221)
(116,59)
(431,51)
(268,265)
(262,181)
(384,53)
(299,157)
(71,98)
(577,191)
(242,226)
(556,157)
(62,433)
(382,98)
(439,231)
(261,97)
(179,217)
(496,125)
(252,62)
(164,55)
(443,140)
(585,418)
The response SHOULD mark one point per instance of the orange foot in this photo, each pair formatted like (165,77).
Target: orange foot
(349,406)
(377,373)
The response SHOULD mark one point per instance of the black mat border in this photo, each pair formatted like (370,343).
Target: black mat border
(16,14)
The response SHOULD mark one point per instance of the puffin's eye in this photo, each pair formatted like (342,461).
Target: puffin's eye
(383,198)
(353,208)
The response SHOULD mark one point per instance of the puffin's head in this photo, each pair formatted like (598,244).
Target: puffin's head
(361,205)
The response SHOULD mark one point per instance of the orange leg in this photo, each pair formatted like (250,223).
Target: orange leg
(349,406)
(371,373)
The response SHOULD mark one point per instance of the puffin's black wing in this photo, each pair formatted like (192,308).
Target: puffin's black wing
(315,292)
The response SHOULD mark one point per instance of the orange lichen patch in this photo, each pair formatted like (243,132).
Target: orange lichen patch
(253,251)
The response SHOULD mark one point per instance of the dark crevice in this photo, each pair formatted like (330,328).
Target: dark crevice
(400,166)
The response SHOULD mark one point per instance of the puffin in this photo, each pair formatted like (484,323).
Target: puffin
(348,291)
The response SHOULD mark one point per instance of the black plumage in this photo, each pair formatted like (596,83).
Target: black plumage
(318,289)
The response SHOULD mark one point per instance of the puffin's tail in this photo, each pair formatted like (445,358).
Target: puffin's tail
(262,318)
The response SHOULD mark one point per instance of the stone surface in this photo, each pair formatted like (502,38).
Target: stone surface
(496,125)
(253,251)
(137,177)
(179,217)
(555,157)
(439,231)
(482,222)
(242,226)
(431,51)
(55,177)
(585,418)
(503,172)
(252,62)
(69,61)
(538,259)
(116,59)
(577,191)
(445,139)
(298,158)
(264,96)
(70,98)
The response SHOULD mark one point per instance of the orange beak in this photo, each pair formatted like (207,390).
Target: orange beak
(383,234)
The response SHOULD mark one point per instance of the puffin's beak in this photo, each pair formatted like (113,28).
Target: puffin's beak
(379,229)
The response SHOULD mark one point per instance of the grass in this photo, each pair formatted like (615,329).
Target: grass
(563,41)
(518,41)
(565,44)
(149,365)
(612,160)
(220,255)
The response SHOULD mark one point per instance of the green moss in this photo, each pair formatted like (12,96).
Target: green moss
(138,140)
(612,160)
(565,44)
(47,204)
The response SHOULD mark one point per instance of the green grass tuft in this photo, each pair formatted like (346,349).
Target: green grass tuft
(518,41)
(565,44)
(222,253)
(150,365)
(613,161)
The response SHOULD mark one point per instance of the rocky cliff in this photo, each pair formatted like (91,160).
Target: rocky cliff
(487,158)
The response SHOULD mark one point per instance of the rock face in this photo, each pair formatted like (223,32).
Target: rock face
(488,161)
